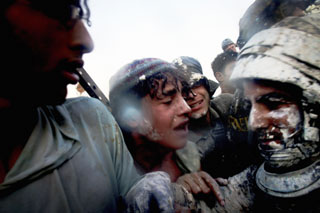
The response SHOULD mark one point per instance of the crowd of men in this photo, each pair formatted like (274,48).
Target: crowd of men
(166,144)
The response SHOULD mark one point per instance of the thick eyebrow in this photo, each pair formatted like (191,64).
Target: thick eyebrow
(275,96)
(170,92)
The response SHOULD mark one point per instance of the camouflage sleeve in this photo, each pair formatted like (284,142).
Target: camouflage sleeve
(239,196)
(183,200)
(152,193)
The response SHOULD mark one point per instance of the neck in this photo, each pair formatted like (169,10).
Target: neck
(154,157)
(16,125)
(226,89)
(200,123)
(15,128)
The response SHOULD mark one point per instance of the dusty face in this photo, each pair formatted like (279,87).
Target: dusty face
(275,117)
(198,100)
(43,51)
(166,119)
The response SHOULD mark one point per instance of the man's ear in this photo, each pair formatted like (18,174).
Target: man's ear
(219,76)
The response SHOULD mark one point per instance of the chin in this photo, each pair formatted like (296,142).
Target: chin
(179,144)
(55,98)
(198,114)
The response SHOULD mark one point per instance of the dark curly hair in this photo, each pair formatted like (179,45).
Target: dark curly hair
(222,60)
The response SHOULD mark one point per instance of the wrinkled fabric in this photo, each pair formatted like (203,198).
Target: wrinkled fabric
(220,157)
(74,161)
(188,158)
(151,194)
(262,14)
(243,195)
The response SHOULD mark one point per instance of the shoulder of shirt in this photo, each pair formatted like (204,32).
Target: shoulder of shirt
(84,102)
(222,102)
(220,105)
(87,106)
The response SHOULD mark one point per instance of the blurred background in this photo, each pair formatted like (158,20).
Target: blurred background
(125,30)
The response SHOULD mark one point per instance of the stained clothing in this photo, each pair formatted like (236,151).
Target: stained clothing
(188,161)
(220,157)
(188,158)
(74,161)
(243,195)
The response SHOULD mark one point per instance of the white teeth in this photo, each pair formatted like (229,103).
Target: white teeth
(194,105)
(270,137)
(275,145)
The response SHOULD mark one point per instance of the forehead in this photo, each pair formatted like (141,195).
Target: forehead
(170,86)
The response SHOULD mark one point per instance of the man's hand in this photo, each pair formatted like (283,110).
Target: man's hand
(202,182)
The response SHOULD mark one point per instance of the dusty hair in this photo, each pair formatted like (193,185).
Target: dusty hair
(122,100)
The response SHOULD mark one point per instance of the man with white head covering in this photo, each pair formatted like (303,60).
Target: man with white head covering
(279,69)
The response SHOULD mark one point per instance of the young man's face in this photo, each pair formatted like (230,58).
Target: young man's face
(165,119)
(198,100)
(43,48)
(275,117)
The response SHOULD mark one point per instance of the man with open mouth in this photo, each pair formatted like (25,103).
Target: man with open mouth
(208,123)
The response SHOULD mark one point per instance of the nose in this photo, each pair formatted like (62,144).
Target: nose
(183,107)
(81,39)
(259,117)
(191,94)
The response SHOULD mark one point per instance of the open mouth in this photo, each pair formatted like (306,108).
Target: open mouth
(71,77)
(270,142)
(69,70)
(183,127)
(195,105)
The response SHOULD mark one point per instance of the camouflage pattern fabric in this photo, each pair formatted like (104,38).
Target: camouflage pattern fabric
(239,196)
(243,195)
(262,14)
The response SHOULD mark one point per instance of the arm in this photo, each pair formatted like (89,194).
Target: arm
(202,182)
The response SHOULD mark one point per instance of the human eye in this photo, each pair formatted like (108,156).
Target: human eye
(167,101)
(63,11)
(274,101)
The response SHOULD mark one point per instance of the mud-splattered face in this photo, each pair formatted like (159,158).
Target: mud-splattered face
(165,117)
(275,117)
(198,100)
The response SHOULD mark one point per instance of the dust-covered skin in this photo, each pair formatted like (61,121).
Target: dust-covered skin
(198,100)
(164,118)
(275,117)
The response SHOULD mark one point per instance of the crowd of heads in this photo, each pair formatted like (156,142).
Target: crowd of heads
(153,101)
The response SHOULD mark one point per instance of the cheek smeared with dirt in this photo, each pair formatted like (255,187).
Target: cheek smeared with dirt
(148,130)
(288,119)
